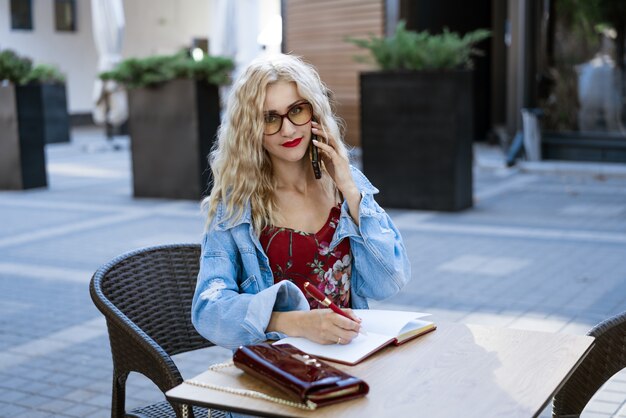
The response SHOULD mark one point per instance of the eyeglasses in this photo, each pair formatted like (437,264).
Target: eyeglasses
(298,114)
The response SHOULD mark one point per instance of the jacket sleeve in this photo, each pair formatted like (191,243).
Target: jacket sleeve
(231,312)
(379,256)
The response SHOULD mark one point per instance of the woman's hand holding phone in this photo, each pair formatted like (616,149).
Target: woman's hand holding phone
(338,166)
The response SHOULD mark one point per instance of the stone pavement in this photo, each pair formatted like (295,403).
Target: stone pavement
(544,248)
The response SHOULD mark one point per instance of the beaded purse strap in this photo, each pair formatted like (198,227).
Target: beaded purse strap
(309,406)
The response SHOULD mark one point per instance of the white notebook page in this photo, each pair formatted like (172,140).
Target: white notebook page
(380,326)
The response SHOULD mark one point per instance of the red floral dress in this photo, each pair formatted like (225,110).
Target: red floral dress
(300,257)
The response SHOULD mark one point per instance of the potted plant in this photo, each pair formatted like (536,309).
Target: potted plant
(174,113)
(33,112)
(416,118)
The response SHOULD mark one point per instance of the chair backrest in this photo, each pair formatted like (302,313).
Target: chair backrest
(607,357)
(153,287)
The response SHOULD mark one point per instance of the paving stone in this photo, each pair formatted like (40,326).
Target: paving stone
(539,323)
(77,382)
(10,382)
(42,414)
(490,319)
(8,409)
(101,413)
(602,407)
(34,400)
(610,395)
(80,395)
(13,396)
(57,406)
(594,414)
(81,410)
(101,385)
(101,400)
(622,411)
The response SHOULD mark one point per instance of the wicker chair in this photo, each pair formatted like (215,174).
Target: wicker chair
(145,296)
(607,357)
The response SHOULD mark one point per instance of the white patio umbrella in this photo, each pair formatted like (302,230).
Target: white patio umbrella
(110,100)
(224,33)
(235,31)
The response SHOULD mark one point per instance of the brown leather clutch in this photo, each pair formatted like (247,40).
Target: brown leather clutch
(298,375)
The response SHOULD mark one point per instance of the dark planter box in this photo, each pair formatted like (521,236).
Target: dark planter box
(584,146)
(22,138)
(46,104)
(416,138)
(172,128)
(56,119)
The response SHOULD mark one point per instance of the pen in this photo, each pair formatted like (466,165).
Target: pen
(323,299)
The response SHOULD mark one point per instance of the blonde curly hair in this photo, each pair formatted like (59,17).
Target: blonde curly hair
(242,169)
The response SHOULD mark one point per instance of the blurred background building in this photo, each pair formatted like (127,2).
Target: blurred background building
(565,57)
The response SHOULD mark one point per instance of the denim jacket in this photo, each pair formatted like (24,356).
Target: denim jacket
(235,293)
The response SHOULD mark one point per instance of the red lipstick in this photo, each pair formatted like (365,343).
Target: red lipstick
(293,143)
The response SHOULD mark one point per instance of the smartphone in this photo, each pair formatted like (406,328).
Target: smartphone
(315,159)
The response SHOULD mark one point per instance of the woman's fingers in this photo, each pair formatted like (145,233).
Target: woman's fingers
(329,143)
(352,315)
(326,149)
(317,130)
(331,328)
(345,323)
(346,329)
(343,337)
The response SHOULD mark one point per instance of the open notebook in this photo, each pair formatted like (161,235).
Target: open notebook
(382,327)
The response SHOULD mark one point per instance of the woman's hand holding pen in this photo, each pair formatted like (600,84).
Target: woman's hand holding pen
(338,166)
(327,327)
(322,326)
(324,300)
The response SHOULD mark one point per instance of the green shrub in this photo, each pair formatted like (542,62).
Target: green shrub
(13,67)
(410,50)
(141,72)
(43,73)
(19,70)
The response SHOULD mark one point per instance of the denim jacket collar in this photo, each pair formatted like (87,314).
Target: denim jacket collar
(362,183)
(222,222)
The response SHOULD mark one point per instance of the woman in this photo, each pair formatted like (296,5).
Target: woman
(272,225)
